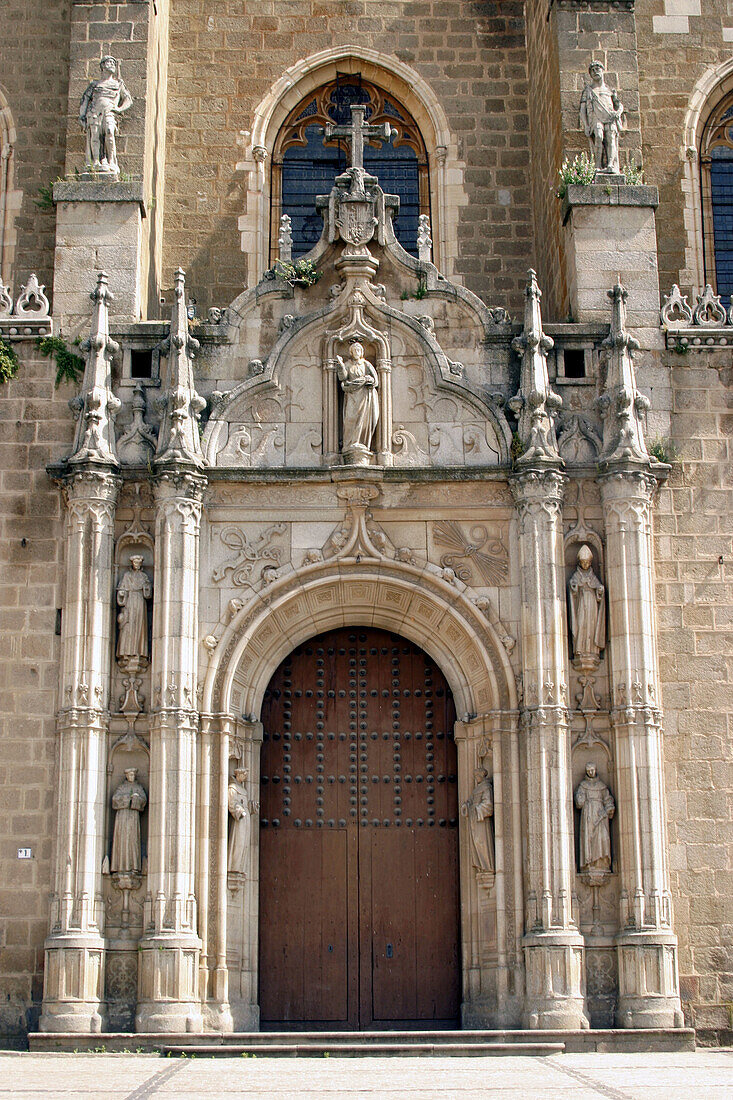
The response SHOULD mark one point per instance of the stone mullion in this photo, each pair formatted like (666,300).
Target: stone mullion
(74,971)
(170,947)
(553,948)
(647,947)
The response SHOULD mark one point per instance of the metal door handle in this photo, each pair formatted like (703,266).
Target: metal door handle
(390,951)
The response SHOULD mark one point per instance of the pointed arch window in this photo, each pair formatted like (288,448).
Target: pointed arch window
(305,165)
(716,170)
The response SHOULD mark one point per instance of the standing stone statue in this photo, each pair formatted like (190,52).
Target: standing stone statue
(597,807)
(128,801)
(102,102)
(359,382)
(586,596)
(240,809)
(479,809)
(602,119)
(132,641)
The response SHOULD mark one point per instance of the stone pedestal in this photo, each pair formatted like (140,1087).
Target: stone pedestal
(168,989)
(553,947)
(610,232)
(647,947)
(73,995)
(99,224)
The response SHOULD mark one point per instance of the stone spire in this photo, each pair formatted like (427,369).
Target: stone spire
(621,405)
(180,405)
(535,404)
(96,405)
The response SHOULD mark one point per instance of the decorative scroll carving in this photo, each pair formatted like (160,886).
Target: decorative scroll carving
(247,553)
(676,303)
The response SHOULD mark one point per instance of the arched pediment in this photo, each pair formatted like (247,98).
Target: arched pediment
(395,596)
(441,415)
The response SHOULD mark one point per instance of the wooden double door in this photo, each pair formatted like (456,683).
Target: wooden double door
(359,903)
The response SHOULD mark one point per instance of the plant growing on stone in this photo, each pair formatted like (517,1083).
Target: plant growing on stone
(69,367)
(9,364)
(517,448)
(300,273)
(665,450)
(633,174)
(579,170)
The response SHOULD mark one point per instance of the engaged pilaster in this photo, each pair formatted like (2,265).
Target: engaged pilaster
(168,992)
(647,946)
(73,998)
(553,947)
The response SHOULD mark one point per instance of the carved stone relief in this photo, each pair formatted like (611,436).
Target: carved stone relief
(251,554)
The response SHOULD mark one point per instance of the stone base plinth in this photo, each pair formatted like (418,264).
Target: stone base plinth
(168,1000)
(610,233)
(99,227)
(648,981)
(74,985)
(555,994)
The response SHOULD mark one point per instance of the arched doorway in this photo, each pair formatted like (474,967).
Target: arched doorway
(359,900)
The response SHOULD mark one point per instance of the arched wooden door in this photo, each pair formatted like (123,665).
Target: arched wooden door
(359,906)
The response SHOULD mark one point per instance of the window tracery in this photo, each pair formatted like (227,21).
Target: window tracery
(716,182)
(304,163)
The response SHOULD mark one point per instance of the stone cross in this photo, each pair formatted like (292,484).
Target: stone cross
(357,131)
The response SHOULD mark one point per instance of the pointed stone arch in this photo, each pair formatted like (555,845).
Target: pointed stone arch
(10,197)
(385,70)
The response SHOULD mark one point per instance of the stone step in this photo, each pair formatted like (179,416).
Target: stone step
(326,1048)
(595,1040)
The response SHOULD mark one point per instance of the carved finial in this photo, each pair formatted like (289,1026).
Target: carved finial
(181,406)
(424,240)
(535,404)
(285,240)
(95,437)
(621,405)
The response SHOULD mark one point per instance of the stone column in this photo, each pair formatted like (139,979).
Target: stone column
(647,947)
(553,947)
(168,990)
(73,994)
(168,994)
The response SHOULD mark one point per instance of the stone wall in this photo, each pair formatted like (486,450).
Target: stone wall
(35,428)
(546,151)
(35,31)
(224,58)
(671,64)
(695,607)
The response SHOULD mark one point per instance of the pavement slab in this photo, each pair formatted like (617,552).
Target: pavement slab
(650,1076)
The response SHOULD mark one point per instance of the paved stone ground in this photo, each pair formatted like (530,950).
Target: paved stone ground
(684,1076)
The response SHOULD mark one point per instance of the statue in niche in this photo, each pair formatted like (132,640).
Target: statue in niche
(602,119)
(135,589)
(102,102)
(479,809)
(597,807)
(128,801)
(240,810)
(586,596)
(359,383)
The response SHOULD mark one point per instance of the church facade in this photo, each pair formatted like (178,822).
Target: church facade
(366,565)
